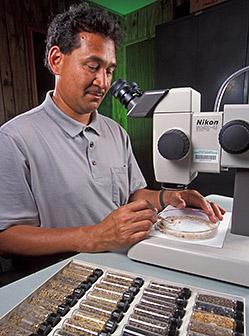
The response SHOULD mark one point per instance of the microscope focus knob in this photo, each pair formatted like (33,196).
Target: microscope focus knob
(234,137)
(173,144)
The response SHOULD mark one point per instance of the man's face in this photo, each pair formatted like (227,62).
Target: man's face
(85,75)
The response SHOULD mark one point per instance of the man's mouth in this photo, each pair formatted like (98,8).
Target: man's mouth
(95,93)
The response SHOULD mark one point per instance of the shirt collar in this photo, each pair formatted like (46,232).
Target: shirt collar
(68,124)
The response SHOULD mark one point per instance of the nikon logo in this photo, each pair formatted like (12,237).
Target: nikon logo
(207,122)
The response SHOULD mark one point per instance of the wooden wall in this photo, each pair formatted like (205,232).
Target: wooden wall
(17,19)
(139,27)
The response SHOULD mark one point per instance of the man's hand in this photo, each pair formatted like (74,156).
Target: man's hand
(123,227)
(192,198)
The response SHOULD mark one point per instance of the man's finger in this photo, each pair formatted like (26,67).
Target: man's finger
(138,236)
(145,214)
(181,204)
(139,205)
(144,225)
(219,212)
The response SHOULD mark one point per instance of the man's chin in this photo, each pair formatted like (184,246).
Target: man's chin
(93,107)
(88,111)
(90,107)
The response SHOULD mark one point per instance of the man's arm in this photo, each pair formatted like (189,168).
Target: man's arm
(180,199)
(29,240)
(123,227)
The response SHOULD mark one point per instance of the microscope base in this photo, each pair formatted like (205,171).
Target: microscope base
(230,263)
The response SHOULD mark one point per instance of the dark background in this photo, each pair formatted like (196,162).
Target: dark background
(201,51)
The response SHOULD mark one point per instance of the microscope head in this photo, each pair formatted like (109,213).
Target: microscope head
(172,112)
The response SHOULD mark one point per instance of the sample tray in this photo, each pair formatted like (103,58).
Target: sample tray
(91,300)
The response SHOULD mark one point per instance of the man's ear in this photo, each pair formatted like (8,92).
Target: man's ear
(55,59)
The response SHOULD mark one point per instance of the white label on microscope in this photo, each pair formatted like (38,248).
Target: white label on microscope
(205,155)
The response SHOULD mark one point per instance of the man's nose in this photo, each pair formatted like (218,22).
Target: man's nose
(101,79)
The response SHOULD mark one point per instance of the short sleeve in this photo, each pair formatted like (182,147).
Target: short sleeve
(17,205)
(136,178)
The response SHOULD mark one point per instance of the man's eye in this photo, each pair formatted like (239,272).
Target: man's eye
(92,67)
(109,72)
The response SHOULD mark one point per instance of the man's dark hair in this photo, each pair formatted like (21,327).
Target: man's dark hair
(64,29)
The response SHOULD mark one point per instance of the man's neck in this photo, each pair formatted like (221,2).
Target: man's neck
(85,118)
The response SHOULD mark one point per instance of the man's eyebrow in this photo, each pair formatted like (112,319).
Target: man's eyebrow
(100,60)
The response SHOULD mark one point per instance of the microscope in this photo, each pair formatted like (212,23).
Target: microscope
(187,141)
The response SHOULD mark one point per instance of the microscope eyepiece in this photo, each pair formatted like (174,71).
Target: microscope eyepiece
(125,91)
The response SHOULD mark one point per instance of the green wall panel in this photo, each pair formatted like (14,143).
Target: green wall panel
(140,68)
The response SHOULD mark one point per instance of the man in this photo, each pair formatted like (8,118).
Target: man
(69,180)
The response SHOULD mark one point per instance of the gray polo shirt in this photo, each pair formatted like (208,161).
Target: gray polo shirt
(57,172)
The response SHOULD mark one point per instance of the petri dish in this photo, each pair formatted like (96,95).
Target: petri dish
(186,224)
